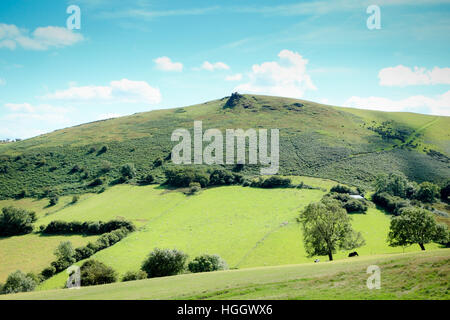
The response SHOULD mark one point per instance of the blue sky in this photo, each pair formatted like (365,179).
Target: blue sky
(144,55)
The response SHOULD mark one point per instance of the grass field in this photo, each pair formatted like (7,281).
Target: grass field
(421,275)
(248,227)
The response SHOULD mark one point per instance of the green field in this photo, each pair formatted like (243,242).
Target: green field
(421,275)
(248,227)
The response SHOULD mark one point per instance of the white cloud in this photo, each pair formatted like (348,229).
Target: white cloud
(166,64)
(439,105)
(214,66)
(42,38)
(125,91)
(286,77)
(405,76)
(234,77)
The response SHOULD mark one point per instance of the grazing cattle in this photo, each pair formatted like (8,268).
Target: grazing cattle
(317,260)
(353,254)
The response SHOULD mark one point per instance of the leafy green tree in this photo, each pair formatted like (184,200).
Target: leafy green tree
(15,221)
(394,184)
(134,275)
(445,192)
(327,228)
(207,263)
(415,225)
(94,272)
(65,256)
(18,282)
(427,192)
(164,262)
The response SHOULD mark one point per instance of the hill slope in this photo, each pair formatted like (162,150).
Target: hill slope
(423,275)
(348,145)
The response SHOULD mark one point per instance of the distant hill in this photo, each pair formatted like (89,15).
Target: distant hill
(348,145)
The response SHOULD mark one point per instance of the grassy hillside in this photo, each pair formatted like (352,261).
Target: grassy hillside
(248,227)
(423,275)
(347,145)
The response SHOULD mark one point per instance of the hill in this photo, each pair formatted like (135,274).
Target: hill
(348,145)
(423,275)
(248,227)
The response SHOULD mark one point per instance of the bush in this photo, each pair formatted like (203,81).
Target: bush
(93,227)
(276,182)
(75,199)
(94,272)
(82,253)
(221,177)
(182,177)
(53,200)
(16,221)
(393,184)
(128,171)
(48,272)
(96,182)
(427,192)
(134,275)
(445,192)
(207,263)
(355,205)
(164,262)
(65,256)
(18,282)
(391,204)
(147,179)
(341,189)
(194,187)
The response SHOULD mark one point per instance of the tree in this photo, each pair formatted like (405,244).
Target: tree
(18,282)
(427,192)
(94,272)
(164,262)
(414,225)
(15,221)
(207,263)
(327,228)
(134,275)
(394,184)
(65,256)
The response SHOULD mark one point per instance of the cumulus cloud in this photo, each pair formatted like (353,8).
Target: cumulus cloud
(125,91)
(286,77)
(166,64)
(214,66)
(438,105)
(405,76)
(41,38)
(234,77)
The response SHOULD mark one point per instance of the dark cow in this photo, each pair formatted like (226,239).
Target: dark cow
(353,254)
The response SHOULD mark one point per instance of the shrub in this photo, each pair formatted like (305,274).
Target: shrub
(391,204)
(48,272)
(194,187)
(65,256)
(221,177)
(341,189)
(445,192)
(427,192)
(394,184)
(147,179)
(158,162)
(103,149)
(18,282)
(16,221)
(96,182)
(276,182)
(134,275)
(82,253)
(94,272)
(53,200)
(128,171)
(355,205)
(164,262)
(75,199)
(182,177)
(207,263)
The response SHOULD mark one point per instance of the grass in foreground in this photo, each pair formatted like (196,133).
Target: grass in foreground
(419,275)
